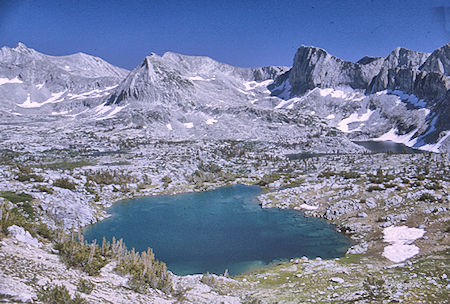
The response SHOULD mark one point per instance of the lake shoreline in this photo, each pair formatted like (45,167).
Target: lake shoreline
(304,186)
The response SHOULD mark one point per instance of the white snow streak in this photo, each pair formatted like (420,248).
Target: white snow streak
(350,95)
(435,147)
(251,85)
(31,104)
(308,207)
(392,135)
(188,125)
(6,80)
(200,78)
(91,94)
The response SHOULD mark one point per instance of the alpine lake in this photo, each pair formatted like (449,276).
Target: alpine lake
(217,230)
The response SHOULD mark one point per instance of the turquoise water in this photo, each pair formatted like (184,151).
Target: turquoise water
(217,230)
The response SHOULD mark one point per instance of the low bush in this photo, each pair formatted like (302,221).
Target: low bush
(85,286)
(58,294)
(64,183)
(427,197)
(76,253)
(374,188)
(15,197)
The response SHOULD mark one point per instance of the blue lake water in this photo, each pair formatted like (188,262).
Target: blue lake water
(217,230)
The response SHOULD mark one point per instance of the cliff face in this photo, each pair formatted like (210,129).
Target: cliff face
(314,67)
(424,76)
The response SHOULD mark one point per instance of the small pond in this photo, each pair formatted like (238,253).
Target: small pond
(217,230)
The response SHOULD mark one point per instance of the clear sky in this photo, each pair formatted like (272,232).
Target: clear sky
(238,32)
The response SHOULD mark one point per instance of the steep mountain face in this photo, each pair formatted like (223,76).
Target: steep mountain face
(175,79)
(181,96)
(417,82)
(424,76)
(438,61)
(314,67)
(320,103)
(34,83)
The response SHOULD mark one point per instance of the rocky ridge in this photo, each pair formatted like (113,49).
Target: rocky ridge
(402,97)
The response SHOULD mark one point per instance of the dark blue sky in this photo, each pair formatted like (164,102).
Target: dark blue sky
(238,32)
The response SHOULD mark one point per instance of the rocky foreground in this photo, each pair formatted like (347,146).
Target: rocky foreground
(393,206)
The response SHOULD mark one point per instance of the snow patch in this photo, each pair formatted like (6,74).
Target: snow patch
(411,98)
(60,113)
(331,116)
(211,121)
(251,85)
(348,94)
(282,104)
(31,104)
(400,238)
(355,117)
(6,80)
(308,207)
(435,147)
(188,125)
(102,111)
(91,94)
(200,78)
(392,135)
(169,127)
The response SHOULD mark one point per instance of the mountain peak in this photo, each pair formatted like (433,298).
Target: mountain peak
(404,57)
(438,61)
(22,48)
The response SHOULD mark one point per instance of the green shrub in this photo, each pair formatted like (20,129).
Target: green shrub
(327,174)
(85,286)
(374,188)
(434,186)
(64,183)
(145,271)
(375,289)
(58,294)
(349,175)
(76,253)
(15,197)
(43,188)
(268,179)
(209,279)
(166,180)
(109,177)
(427,197)
(21,177)
(43,230)
(13,216)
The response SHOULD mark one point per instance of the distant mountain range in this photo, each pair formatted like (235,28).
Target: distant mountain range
(403,97)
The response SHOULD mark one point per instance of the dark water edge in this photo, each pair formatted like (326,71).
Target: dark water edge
(217,230)
(386,146)
(371,145)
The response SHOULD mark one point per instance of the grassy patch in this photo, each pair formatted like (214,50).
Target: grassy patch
(66,165)
(15,197)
